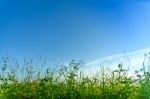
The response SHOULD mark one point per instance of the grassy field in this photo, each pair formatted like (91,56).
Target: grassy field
(70,82)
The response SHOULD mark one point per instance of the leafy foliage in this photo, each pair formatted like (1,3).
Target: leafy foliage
(70,82)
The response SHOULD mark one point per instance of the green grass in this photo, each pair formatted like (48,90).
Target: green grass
(70,82)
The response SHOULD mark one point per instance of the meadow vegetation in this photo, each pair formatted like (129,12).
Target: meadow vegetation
(70,82)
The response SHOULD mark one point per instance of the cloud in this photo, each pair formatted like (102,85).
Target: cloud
(132,59)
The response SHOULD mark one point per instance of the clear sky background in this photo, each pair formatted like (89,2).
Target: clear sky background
(73,29)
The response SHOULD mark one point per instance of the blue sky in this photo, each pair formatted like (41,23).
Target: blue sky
(73,29)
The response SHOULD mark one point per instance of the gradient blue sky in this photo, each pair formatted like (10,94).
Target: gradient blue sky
(73,29)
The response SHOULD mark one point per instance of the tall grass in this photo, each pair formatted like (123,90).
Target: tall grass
(70,82)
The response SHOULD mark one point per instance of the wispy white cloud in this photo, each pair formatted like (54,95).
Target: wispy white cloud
(132,59)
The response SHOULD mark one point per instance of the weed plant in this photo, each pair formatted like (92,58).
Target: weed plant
(70,82)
